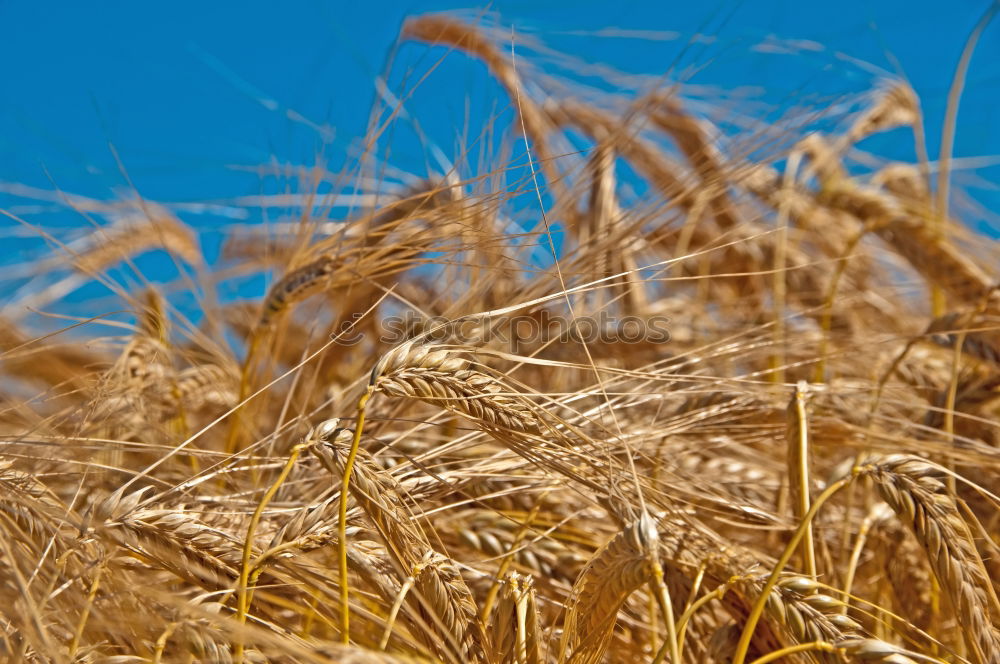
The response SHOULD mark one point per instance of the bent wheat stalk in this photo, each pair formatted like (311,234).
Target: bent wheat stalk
(242,601)
(765,594)
(433,375)
(617,570)
(440,595)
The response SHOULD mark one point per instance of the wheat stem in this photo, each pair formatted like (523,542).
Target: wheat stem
(798,470)
(390,621)
(758,608)
(820,646)
(948,138)
(662,594)
(692,597)
(85,614)
(345,599)
(245,566)
(233,435)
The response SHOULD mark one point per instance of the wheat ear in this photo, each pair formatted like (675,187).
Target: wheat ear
(436,29)
(617,570)
(914,490)
(438,377)
(515,628)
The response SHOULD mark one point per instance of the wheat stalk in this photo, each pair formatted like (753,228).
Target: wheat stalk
(438,589)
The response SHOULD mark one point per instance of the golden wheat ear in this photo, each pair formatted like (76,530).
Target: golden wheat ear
(438,377)
(915,491)
(515,627)
(618,569)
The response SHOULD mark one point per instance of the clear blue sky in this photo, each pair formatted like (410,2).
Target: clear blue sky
(176,85)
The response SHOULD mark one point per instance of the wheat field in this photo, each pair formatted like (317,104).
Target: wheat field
(650,380)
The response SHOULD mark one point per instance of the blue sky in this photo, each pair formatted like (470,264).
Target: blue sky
(185,90)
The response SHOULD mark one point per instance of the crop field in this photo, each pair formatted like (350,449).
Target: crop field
(636,371)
